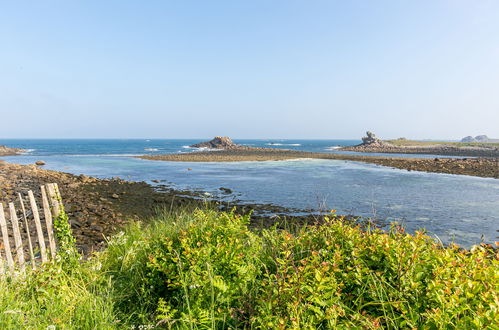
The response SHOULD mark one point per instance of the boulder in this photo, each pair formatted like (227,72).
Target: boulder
(371,140)
(39,162)
(219,142)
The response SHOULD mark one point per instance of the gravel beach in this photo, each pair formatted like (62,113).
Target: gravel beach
(482,167)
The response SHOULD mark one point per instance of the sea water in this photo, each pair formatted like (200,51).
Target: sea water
(452,208)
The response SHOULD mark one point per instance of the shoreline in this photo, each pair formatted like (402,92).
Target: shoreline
(444,150)
(7,151)
(99,208)
(480,167)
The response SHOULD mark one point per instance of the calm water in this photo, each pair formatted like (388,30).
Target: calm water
(454,208)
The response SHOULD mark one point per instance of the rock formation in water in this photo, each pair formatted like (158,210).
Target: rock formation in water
(371,140)
(6,151)
(219,142)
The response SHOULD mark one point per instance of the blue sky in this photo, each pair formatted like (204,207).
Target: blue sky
(249,69)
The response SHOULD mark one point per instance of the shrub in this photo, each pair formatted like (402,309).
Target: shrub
(206,269)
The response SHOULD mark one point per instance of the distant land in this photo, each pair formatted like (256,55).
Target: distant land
(479,139)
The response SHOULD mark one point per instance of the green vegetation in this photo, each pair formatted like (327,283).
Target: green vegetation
(406,143)
(205,269)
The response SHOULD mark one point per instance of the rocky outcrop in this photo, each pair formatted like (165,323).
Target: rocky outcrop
(371,140)
(403,146)
(479,139)
(6,151)
(219,142)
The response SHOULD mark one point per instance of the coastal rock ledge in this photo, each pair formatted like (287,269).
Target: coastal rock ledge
(219,142)
(6,151)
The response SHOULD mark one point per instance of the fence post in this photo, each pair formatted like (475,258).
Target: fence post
(31,253)
(36,216)
(56,209)
(17,237)
(2,268)
(48,222)
(6,242)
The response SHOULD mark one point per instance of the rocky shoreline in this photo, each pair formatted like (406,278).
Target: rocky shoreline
(482,167)
(6,151)
(99,208)
(372,144)
(447,150)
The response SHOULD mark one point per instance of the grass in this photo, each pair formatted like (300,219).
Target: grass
(405,143)
(206,269)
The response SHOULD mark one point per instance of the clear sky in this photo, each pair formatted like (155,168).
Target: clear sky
(249,69)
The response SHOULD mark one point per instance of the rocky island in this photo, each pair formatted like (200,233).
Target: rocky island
(218,142)
(370,143)
(484,167)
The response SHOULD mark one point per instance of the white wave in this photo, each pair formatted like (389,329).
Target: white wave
(333,148)
(151,149)
(283,144)
(201,149)
(106,155)
(27,151)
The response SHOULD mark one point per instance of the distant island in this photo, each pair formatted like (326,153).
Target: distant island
(476,148)
(228,151)
(479,139)
(218,142)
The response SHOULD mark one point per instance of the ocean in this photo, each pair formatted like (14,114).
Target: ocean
(452,208)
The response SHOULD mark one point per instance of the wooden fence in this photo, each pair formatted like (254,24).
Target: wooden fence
(22,222)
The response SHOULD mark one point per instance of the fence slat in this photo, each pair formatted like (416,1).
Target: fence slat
(17,237)
(6,242)
(52,194)
(36,216)
(48,222)
(2,268)
(30,244)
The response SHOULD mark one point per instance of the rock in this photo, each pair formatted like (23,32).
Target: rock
(6,151)
(219,142)
(115,196)
(75,223)
(189,169)
(39,162)
(97,228)
(155,181)
(371,140)
(225,190)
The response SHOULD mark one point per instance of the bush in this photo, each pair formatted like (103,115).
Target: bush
(206,269)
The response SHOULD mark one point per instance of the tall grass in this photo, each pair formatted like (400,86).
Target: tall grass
(51,298)
(206,269)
